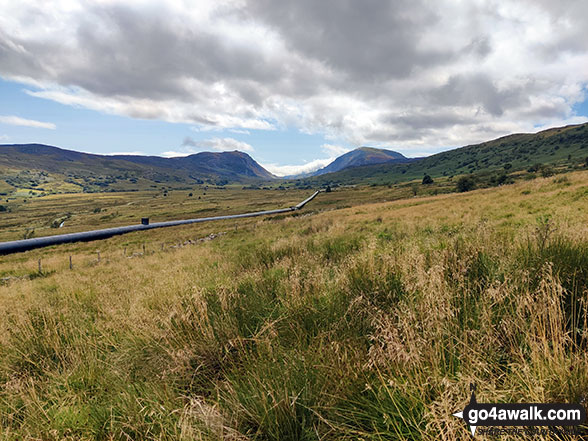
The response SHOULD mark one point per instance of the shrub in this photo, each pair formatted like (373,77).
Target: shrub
(547,171)
(465,183)
(499,179)
(534,168)
(427,180)
(562,180)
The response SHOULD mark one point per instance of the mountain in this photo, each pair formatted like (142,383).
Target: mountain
(46,168)
(229,165)
(27,169)
(362,156)
(561,146)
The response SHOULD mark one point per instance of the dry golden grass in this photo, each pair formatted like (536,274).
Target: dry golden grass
(366,322)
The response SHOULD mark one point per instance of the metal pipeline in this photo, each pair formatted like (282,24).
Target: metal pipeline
(17,246)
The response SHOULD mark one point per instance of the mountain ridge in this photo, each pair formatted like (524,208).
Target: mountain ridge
(30,165)
(41,168)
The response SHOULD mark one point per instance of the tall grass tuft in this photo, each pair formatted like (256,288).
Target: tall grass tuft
(568,261)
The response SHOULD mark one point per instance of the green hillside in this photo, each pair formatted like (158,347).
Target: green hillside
(33,169)
(558,147)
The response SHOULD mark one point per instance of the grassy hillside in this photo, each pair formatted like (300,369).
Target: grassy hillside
(36,169)
(565,147)
(352,320)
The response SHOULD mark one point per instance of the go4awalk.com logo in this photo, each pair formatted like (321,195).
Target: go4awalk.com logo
(565,415)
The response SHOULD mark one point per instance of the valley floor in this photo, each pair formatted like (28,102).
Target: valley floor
(355,319)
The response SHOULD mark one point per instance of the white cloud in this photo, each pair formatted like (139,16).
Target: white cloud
(335,150)
(131,153)
(17,121)
(3,137)
(240,131)
(181,152)
(218,144)
(436,74)
(291,170)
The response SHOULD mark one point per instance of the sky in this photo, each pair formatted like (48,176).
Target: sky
(293,83)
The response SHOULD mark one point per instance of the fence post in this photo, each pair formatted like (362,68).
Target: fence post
(98,256)
(40,269)
(70,264)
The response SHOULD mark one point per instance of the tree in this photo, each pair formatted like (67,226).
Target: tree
(498,179)
(465,183)
(427,180)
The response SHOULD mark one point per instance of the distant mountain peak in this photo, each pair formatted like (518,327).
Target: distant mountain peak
(363,155)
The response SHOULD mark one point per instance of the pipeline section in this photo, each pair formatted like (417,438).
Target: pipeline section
(17,246)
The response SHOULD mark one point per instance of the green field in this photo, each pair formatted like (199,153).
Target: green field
(365,316)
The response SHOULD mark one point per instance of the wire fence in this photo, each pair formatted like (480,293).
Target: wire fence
(43,267)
